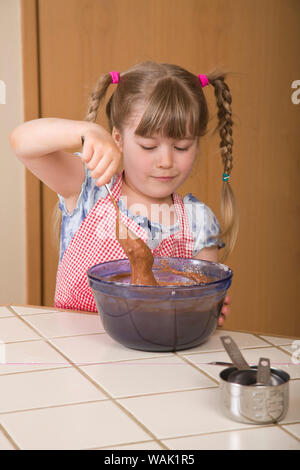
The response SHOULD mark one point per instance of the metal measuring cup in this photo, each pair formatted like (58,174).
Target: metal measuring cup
(253,394)
(245,375)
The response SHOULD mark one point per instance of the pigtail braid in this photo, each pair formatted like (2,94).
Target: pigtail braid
(229,210)
(97,96)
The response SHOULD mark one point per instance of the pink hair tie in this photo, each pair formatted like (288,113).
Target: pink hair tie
(203,79)
(115,76)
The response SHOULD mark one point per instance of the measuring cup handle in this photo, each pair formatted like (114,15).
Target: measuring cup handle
(234,353)
(263,371)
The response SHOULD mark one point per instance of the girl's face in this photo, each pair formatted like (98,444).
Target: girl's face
(156,166)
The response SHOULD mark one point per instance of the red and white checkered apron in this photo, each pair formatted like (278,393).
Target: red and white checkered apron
(95,242)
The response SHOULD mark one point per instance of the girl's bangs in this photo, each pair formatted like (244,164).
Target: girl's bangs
(170,114)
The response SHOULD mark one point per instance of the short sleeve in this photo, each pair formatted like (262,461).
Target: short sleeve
(82,198)
(89,195)
(203,223)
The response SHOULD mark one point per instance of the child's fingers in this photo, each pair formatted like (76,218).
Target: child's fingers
(94,162)
(225,311)
(101,167)
(87,153)
(110,160)
(106,176)
(113,167)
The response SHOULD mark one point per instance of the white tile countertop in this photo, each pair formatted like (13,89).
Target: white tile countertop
(65,384)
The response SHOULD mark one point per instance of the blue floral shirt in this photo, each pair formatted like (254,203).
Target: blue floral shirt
(202,220)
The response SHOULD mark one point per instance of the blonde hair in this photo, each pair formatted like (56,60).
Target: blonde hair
(174,104)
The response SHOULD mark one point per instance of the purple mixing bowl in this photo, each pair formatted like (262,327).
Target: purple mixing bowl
(160,318)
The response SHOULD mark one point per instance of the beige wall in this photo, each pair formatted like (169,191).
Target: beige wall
(12,187)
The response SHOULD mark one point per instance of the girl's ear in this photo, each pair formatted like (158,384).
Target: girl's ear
(116,135)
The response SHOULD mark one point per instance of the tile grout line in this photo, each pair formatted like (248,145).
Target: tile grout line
(286,352)
(8,437)
(208,351)
(48,341)
(109,398)
(24,340)
(258,426)
(105,393)
(289,354)
(97,386)
(275,345)
(255,427)
(64,405)
(35,370)
(128,413)
(42,408)
(226,431)
(207,373)
(51,310)
(280,348)
(155,394)
(123,445)
(115,400)
(36,330)
(157,440)
(201,371)
(287,431)
(268,343)
(260,335)
(71,363)
(26,323)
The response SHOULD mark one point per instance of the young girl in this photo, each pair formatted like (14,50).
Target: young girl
(156,114)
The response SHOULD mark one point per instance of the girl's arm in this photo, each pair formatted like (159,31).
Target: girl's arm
(40,145)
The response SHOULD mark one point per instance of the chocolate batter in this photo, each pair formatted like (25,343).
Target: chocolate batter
(141,260)
(138,253)
(198,278)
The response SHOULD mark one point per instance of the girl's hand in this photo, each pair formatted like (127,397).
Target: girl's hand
(225,310)
(101,155)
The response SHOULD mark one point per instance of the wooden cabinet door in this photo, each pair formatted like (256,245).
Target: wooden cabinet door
(71,43)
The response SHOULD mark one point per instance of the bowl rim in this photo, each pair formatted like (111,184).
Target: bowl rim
(168,287)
